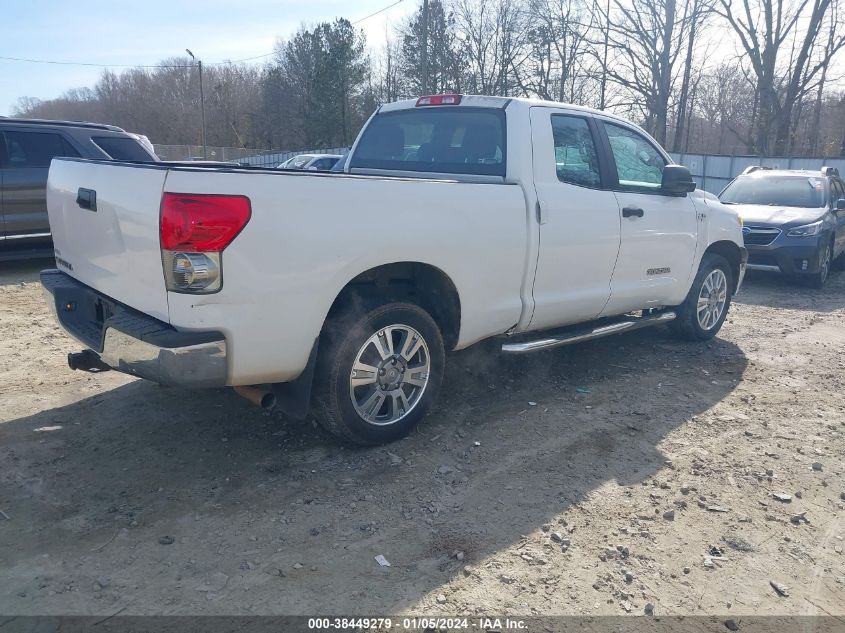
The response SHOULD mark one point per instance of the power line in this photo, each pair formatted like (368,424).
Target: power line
(238,61)
(64,63)
(390,6)
(221,63)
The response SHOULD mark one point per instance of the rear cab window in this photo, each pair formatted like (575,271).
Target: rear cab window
(447,140)
(122,148)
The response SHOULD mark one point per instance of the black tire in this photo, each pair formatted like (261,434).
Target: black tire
(687,324)
(342,340)
(819,279)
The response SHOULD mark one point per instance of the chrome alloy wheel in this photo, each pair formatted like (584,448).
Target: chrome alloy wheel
(390,374)
(712,299)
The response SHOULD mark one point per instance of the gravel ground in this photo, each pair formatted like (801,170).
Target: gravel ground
(613,477)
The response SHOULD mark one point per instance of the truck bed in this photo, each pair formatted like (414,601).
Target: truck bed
(308,236)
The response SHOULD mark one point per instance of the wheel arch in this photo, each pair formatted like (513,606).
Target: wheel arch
(731,252)
(416,282)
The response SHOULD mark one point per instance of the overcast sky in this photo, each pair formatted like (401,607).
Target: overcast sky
(147,31)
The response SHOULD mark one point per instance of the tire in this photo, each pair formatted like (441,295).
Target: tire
(389,400)
(819,279)
(688,323)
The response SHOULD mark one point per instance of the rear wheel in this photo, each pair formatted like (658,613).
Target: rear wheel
(703,312)
(378,372)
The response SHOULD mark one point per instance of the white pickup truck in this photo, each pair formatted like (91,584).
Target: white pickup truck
(457,218)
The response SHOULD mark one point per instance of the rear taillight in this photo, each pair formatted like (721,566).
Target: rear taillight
(432,100)
(195,229)
(201,223)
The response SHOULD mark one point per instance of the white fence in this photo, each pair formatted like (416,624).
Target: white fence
(713,172)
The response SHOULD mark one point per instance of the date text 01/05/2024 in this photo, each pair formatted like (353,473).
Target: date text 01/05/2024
(418,623)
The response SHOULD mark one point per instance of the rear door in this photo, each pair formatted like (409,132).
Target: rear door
(579,219)
(28,156)
(659,231)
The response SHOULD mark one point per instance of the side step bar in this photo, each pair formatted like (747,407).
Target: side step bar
(580,335)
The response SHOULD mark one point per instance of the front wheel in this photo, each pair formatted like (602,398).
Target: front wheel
(819,278)
(703,312)
(378,372)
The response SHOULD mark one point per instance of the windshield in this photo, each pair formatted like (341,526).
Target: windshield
(782,191)
(449,140)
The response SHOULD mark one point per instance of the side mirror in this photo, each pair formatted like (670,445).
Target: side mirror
(677,180)
(840,204)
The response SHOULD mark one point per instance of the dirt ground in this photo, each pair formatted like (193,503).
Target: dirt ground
(589,480)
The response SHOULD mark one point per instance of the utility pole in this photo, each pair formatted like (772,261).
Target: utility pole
(425,48)
(202,104)
(604,59)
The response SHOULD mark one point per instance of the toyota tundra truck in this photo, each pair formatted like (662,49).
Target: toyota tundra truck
(455,219)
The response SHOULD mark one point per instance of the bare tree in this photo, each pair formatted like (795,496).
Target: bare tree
(494,45)
(695,14)
(643,53)
(646,58)
(558,37)
(778,37)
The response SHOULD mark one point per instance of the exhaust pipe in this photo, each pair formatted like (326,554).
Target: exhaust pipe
(263,398)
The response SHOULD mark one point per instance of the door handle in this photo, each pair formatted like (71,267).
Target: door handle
(631,212)
(86,199)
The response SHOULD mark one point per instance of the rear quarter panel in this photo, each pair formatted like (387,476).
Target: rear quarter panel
(311,234)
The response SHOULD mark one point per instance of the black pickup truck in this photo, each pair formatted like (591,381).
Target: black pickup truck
(26,148)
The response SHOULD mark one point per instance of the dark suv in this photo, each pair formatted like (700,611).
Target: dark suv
(793,220)
(26,148)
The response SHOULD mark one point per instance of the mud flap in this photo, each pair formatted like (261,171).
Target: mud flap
(294,398)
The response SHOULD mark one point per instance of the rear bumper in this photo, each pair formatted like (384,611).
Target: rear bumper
(132,342)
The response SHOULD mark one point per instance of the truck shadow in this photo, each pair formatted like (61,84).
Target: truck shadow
(777,291)
(26,271)
(293,520)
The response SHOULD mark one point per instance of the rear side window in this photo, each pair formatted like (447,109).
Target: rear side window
(576,159)
(449,140)
(122,148)
(34,149)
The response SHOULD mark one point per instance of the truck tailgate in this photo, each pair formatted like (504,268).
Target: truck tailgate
(113,246)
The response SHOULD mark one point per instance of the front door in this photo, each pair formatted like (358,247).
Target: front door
(659,231)
(579,219)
